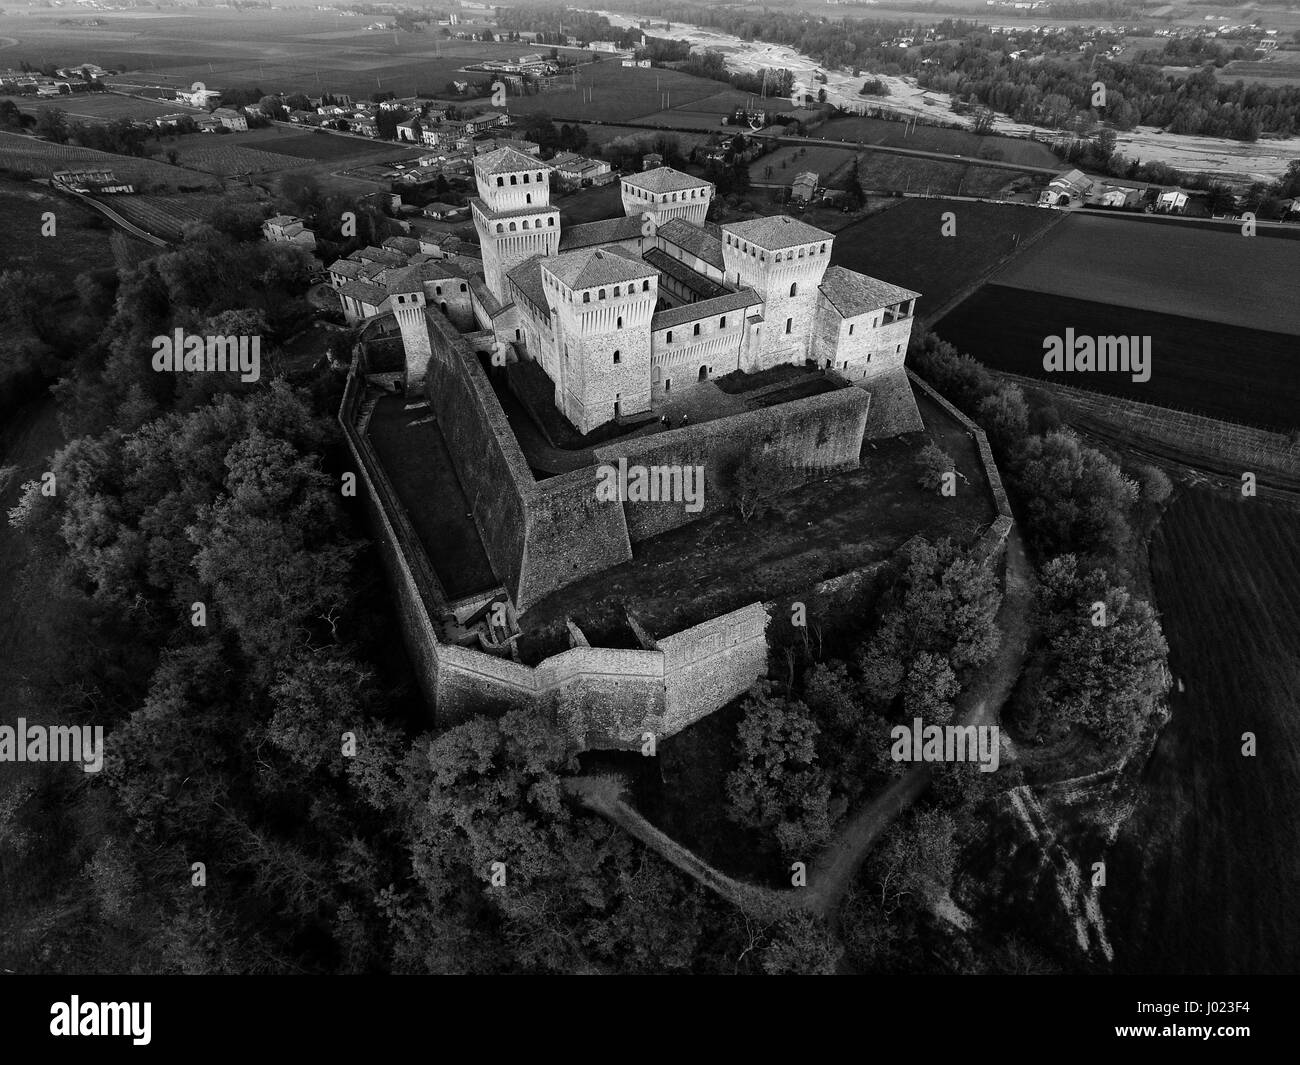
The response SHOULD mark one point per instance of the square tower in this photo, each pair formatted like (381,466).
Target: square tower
(602,302)
(665,193)
(783,260)
(512,213)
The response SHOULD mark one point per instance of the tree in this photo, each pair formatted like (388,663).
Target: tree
(777,785)
(52,124)
(935,463)
(756,482)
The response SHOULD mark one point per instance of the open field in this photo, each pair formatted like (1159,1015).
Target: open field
(936,139)
(882,171)
(1221,371)
(590,205)
(81,235)
(1205,874)
(623,94)
(905,245)
(99,107)
(214,156)
(165,216)
(828,164)
(42,158)
(1217,275)
(313,147)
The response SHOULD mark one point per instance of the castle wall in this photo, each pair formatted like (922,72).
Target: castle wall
(707,666)
(812,435)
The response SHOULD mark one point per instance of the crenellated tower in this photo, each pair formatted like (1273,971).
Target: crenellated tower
(665,194)
(783,260)
(512,213)
(602,302)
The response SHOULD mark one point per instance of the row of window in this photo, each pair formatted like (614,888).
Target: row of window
(550,222)
(514,180)
(666,197)
(645,287)
(751,249)
(722,324)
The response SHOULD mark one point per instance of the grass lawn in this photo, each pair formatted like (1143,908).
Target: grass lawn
(1206,873)
(590,205)
(829,164)
(1221,371)
(936,139)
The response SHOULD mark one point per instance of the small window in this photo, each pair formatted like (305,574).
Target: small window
(500,181)
(528,196)
(525,179)
(645,285)
(789,324)
(850,329)
(618,324)
(601,295)
(586,297)
(437,290)
(669,339)
(617,358)
(898,349)
(514,180)
(464,287)
(525,223)
(500,228)
(512,227)
(722,322)
(668,384)
(550,221)
(794,289)
(616,293)
(697,328)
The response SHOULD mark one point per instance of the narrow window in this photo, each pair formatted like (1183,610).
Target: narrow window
(514,180)
(617,358)
(619,324)
(794,289)
(789,324)
(601,294)
(722,322)
(586,297)
(670,336)
(697,328)
(850,329)
(668,384)
(500,181)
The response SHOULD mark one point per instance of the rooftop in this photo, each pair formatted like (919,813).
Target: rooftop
(693,239)
(507,161)
(776,232)
(606,231)
(665,179)
(598,266)
(852,293)
(704,288)
(690,312)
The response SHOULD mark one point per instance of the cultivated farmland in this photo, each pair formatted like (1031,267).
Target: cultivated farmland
(829,164)
(97,107)
(882,171)
(1171,267)
(1220,371)
(937,139)
(1206,872)
(164,216)
(213,157)
(42,158)
(905,244)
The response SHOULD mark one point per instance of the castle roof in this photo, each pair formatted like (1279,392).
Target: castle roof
(776,232)
(404,279)
(693,239)
(527,279)
(664,179)
(364,292)
(508,161)
(852,293)
(693,312)
(606,231)
(704,288)
(590,267)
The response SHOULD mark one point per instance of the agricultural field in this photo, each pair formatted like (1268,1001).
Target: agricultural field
(781,166)
(936,139)
(1171,267)
(212,156)
(97,107)
(624,94)
(42,158)
(1278,70)
(313,147)
(1220,371)
(590,205)
(905,244)
(165,216)
(883,171)
(81,236)
(1205,874)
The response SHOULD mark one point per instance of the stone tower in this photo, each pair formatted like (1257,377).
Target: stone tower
(665,193)
(602,301)
(406,298)
(783,260)
(512,213)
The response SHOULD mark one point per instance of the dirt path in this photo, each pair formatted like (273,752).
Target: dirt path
(980,704)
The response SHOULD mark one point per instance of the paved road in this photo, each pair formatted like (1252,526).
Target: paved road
(113,216)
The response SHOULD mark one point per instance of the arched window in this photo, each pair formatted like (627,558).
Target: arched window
(704,373)
(669,338)
(823,249)
(789,324)
(722,322)
(794,289)
(437,290)
(512,227)
(617,357)
(525,179)
(500,181)
(850,329)
(550,221)
(500,228)
(514,179)
(618,325)
(586,297)
(528,196)
(615,290)
(697,329)
(464,287)
(645,285)
(601,295)
(525,223)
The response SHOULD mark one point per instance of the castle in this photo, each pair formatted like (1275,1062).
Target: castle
(621,313)
(622,327)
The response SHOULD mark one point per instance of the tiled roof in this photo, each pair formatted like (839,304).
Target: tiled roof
(600,266)
(692,312)
(777,232)
(404,279)
(507,161)
(852,293)
(526,278)
(403,245)
(692,239)
(606,231)
(664,179)
(346,267)
(705,288)
(377,255)
(366,293)
(488,301)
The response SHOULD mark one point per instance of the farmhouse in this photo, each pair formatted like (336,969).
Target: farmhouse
(576,171)
(804,187)
(288,229)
